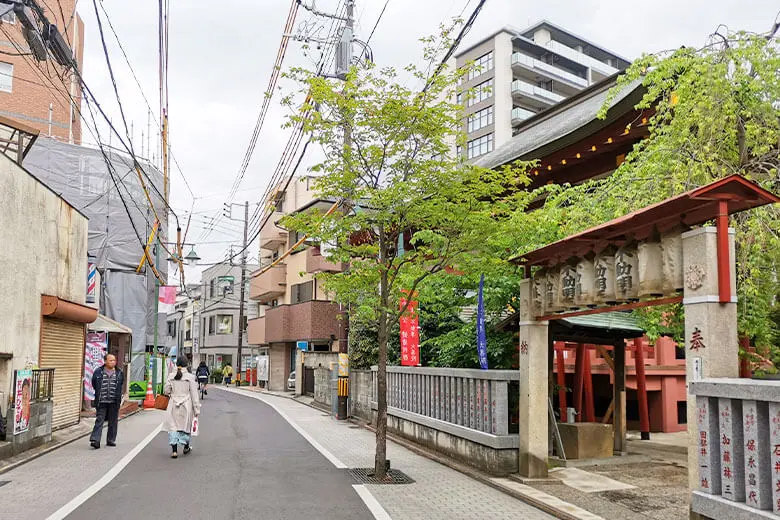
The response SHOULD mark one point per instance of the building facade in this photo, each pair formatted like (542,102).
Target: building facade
(293,310)
(42,95)
(518,74)
(45,253)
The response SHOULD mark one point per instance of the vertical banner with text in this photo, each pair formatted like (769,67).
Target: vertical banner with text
(410,337)
(94,355)
(22,397)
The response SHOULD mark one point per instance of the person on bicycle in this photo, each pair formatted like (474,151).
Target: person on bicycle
(227,372)
(202,374)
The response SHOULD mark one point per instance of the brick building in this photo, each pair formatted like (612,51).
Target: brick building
(41,94)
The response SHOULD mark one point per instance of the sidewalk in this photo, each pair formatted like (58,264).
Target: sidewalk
(439,492)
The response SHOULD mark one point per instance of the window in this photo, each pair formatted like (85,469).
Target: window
(6,76)
(212,324)
(480,119)
(188,329)
(460,98)
(481,65)
(459,151)
(481,92)
(480,146)
(212,288)
(171,329)
(302,292)
(224,324)
(8,17)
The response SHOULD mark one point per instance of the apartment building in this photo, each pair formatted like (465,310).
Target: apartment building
(521,73)
(42,95)
(294,313)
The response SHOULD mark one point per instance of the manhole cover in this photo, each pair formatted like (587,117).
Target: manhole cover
(4,482)
(362,476)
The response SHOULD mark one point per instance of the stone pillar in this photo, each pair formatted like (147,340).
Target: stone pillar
(534,421)
(711,347)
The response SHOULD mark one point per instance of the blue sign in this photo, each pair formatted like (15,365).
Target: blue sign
(303,345)
(481,336)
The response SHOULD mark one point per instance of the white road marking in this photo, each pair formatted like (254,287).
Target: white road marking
(372,504)
(317,446)
(104,480)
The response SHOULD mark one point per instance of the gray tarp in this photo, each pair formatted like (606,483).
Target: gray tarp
(80,175)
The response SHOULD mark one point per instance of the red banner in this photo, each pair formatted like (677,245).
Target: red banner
(410,337)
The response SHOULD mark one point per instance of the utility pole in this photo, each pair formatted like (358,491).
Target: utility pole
(156,316)
(242,292)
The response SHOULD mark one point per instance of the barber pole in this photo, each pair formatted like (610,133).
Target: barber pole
(91,282)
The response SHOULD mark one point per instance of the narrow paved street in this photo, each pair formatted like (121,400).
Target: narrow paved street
(258,456)
(247,462)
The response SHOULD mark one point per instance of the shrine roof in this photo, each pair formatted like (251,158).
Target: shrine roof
(565,123)
(686,210)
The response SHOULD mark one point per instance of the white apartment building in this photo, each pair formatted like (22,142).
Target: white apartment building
(521,73)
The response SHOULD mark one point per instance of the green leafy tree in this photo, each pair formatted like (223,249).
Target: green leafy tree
(390,166)
(715,112)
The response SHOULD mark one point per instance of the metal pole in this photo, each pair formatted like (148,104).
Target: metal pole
(243,289)
(156,315)
(343,380)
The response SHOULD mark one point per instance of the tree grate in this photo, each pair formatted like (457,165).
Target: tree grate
(365,476)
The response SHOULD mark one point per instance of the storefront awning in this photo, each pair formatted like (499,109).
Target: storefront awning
(106,324)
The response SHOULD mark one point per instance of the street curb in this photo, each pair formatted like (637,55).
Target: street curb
(50,449)
(478,476)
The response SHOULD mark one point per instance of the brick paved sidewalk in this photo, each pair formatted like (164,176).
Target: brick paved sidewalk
(438,492)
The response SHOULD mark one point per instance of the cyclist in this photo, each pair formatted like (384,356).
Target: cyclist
(202,373)
(227,371)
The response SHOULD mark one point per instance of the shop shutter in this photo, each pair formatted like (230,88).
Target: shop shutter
(62,348)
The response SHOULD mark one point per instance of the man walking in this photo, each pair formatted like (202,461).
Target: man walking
(108,383)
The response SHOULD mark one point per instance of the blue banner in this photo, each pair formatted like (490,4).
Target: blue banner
(481,336)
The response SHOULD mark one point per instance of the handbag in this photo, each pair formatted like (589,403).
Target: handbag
(195,427)
(161,402)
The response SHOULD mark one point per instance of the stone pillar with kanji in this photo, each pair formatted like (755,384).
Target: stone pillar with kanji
(711,350)
(534,379)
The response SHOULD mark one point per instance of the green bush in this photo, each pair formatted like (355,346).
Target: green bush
(216,375)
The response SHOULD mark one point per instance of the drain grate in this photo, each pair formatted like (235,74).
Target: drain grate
(4,482)
(362,475)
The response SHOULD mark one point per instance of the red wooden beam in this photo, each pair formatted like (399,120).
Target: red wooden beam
(588,407)
(724,260)
(622,307)
(579,371)
(641,389)
(562,386)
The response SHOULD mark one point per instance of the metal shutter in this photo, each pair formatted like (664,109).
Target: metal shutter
(62,348)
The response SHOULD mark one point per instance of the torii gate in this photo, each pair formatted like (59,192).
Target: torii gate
(648,257)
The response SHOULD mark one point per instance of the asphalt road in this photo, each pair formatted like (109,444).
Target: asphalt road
(247,462)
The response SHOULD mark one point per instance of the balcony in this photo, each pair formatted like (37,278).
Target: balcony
(256,331)
(537,96)
(270,284)
(316,263)
(521,114)
(521,61)
(309,321)
(271,236)
(581,58)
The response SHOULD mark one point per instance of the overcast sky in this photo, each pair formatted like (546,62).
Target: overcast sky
(221,56)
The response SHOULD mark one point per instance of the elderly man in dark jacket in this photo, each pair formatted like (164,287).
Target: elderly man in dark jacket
(108,382)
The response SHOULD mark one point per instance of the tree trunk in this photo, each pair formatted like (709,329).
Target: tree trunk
(380,456)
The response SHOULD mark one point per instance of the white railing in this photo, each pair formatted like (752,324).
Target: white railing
(521,114)
(581,58)
(738,447)
(522,88)
(519,58)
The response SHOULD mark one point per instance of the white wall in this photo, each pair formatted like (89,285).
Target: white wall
(44,251)
(502,89)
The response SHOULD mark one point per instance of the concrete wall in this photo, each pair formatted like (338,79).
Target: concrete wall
(361,394)
(44,252)
(37,434)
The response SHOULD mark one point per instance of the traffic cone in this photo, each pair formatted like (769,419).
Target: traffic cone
(149,401)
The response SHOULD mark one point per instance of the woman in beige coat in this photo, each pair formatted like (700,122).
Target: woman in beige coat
(183,406)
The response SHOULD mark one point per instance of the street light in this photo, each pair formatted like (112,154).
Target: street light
(191,258)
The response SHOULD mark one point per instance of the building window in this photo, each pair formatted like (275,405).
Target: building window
(212,288)
(480,119)
(6,76)
(8,17)
(302,292)
(481,92)
(460,98)
(480,146)
(212,324)
(481,65)
(224,324)
(171,329)
(188,329)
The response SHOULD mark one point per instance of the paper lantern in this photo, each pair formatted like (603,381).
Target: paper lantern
(552,285)
(626,268)
(585,290)
(567,285)
(604,276)
(538,290)
(651,272)
(671,246)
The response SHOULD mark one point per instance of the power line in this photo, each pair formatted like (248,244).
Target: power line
(377,22)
